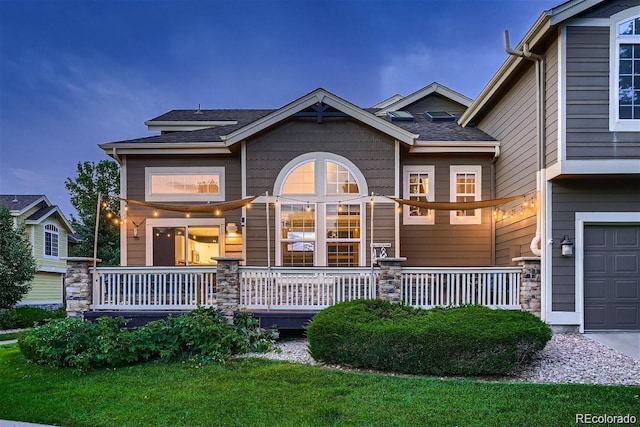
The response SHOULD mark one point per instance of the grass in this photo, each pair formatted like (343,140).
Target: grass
(260,392)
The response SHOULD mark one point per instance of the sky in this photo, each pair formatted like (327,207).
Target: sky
(75,74)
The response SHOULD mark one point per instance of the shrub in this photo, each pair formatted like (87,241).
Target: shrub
(27,316)
(468,340)
(202,335)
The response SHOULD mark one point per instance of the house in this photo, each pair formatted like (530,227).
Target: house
(565,107)
(50,234)
(551,148)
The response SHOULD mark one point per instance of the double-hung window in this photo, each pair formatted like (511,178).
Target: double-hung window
(465,185)
(418,186)
(51,241)
(624,112)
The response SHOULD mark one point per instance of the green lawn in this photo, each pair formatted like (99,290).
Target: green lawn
(258,392)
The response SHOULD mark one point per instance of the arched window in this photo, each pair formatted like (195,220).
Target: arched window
(320,214)
(51,241)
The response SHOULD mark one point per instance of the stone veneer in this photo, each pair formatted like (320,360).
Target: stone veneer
(78,285)
(390,278)
(530,284)
(228,286)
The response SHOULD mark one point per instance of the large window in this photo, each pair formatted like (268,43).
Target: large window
(625,71)
(319,216)
(466,186)
(51,241)
(167,184)
(419,186)
(184,242)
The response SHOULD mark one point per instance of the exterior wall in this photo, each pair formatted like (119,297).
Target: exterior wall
(444,244)
(601,194)
(435,102)
(37,233)
(369,150)
(46,288)
(587,99)
(136,247)
(551,100)
(513,123)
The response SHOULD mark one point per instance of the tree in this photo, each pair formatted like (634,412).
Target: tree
(93,179)
(17,265)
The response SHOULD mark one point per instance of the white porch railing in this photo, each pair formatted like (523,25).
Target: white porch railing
(497,287)
(153,288)
(309,288)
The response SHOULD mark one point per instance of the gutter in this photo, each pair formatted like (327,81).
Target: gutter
(540,63)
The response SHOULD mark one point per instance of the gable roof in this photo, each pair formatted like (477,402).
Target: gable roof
(320,96)
(20,203)
(542,28)
(424,92)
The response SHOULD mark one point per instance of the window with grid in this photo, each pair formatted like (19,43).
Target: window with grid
(343,235)
(51,240)
(298,238)
(419,186)
(625,75)
(465,187)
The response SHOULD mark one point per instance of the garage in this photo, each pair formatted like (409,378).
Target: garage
(612,277)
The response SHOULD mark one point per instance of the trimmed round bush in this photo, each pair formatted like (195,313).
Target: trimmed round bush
(468,340)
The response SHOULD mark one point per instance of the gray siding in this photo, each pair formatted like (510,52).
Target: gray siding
(587,99)
(135,190)
(551,100)
(583,195)
(443,244)
(435,102)
(370,151)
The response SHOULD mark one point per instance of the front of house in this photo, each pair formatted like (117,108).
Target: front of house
(321,182)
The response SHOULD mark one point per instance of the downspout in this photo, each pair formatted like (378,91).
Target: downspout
(536,246)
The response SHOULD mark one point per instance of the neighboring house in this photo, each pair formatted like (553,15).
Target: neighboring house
(49,234)
(567,147)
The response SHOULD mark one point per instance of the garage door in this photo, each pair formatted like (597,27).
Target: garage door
(612,277)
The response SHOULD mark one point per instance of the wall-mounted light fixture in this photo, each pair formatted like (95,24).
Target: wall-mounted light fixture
(567,246)
(232,229)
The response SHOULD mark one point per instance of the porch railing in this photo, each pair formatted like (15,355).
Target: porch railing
(309,288)
(497,287)
(153,288)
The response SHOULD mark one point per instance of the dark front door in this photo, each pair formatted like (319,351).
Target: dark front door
(612,277)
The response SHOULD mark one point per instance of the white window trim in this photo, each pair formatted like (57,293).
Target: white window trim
(471,169)
(615,124)
(406,210)
(319,200)
(55,232)
(201,197)
(150,223)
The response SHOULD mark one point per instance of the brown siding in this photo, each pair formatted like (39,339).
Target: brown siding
(583,195)
(135,190)
(513,123)
(435,102)
(443,244)
(370,151)
(587,99)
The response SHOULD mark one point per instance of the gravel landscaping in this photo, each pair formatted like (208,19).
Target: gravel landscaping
(567,358)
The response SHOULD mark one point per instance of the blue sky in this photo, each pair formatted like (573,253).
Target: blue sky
(74,74)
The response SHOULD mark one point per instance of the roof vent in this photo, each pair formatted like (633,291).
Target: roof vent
(15,199)
(439,116)
(199,110)
(400,116)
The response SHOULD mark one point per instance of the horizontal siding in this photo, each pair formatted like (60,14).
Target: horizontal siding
(583,195)
(370,151)
(551,100)
(443,244)
(513,237)
(45,287)
(435,102)
(587,99)
(136,249)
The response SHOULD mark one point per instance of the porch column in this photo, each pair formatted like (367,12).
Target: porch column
(228,285)
(390,278)
(78,284)
(530,284)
